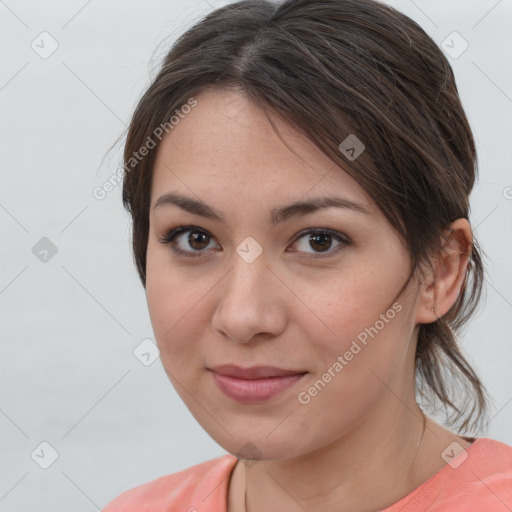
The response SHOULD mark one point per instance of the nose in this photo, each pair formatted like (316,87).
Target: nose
(251,302)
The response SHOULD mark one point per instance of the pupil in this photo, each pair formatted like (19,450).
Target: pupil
(319,239)
(198,237)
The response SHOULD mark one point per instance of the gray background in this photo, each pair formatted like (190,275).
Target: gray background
(69,376)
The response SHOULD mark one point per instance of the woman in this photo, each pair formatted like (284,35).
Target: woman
(298,176)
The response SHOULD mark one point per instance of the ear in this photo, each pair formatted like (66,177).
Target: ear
(442,286)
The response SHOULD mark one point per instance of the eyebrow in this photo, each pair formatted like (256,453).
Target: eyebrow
(280,214)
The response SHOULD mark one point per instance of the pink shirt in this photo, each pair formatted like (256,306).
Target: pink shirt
(479,480)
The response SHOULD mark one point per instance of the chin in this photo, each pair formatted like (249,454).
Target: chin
(254,447)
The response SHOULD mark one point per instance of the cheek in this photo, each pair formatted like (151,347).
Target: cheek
(356,324)
(174,315)
(174,300)
(343,305)
(355,371)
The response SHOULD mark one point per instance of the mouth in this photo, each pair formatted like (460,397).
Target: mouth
(255,384)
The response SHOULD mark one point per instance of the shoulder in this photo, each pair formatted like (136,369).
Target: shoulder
(496,451)
(481,476)
(200,487)
(490,463)
(477,478)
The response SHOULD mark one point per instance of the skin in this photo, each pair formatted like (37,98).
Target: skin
(354,446)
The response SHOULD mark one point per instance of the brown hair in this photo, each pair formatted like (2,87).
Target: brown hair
(333,68)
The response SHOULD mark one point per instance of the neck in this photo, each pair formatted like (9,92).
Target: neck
(369,468)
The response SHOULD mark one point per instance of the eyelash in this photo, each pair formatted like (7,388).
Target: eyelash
(169,238)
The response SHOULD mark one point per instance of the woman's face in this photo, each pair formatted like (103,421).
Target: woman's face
(258,287)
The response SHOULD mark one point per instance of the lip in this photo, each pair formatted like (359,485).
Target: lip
(253,372)
(254,384)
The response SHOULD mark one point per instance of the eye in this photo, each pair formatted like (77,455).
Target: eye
(197,240)
(321,240)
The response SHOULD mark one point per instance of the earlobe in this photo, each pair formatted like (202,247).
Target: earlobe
(448,277)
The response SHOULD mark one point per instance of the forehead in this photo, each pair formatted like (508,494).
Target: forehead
(226,144)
